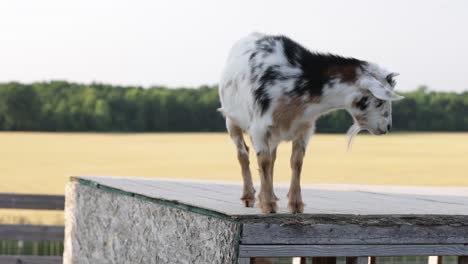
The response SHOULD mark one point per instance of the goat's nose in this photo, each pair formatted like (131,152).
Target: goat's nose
(389,127)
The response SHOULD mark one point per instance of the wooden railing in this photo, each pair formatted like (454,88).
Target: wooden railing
(31,232)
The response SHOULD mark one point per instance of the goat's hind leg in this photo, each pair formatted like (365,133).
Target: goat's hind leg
(248,195)
(261,142)
(267,198)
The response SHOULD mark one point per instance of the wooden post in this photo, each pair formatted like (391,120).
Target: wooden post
(299,260)
(264,260)
(434,260)
(357,260)
(463,260)
(324,260)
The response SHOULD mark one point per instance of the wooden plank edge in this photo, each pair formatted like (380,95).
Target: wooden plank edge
(32,201)
(170,203)
(351,250)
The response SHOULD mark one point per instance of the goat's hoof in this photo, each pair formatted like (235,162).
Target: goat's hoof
(296,207)
(268,207)
(248,202)
(248,199)
(275,197)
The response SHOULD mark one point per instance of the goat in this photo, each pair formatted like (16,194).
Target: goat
(274,89)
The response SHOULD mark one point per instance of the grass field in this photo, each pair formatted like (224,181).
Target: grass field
(42,162)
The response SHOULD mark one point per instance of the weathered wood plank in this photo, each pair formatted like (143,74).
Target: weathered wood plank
(298,232)
(350,250)
(31,232)
(324,260)
(353,200)
(463,259)
(30,259)
(31,201)
(244,261)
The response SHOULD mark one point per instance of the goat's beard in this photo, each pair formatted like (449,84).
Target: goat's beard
(352,132)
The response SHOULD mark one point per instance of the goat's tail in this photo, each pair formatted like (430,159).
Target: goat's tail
(221,110)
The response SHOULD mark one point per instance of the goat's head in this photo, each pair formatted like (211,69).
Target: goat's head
(371,102)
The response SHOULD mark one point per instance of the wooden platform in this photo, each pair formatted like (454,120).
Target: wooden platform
(339,220)
(224,197)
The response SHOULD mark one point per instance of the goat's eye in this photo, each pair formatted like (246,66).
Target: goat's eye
(379,103)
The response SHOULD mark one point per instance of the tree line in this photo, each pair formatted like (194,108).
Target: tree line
(65,106)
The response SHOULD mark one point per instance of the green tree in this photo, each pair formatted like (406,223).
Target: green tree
(64,106)
(19,107)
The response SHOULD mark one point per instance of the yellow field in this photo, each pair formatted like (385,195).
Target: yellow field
(42,162)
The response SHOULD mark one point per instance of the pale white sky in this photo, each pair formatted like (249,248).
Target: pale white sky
(185,43)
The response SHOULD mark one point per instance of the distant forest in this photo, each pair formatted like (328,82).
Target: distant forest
(64,106)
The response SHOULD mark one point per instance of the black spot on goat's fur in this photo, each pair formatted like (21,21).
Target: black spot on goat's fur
(363,103)
(252,56)
(268,77)
(316,69)
(379,103)
(262,98)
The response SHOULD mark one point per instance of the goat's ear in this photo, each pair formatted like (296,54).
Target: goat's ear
(393,74)
(379,90)
(391,79)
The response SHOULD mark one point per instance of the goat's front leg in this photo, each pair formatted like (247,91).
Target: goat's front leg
(272,167)
(295,204)
(266,198)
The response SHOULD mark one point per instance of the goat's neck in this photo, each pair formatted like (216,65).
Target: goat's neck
(335,98)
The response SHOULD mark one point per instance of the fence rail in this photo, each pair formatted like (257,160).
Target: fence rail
(31,232)
(30,259)
(31,201)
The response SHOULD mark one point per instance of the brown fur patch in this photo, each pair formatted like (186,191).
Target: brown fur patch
(235,131)
(264,160)
(347,73)
(287,110)
(303,129)
(313,100)
(360,118)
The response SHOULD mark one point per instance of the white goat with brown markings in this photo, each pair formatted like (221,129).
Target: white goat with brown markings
(274,89)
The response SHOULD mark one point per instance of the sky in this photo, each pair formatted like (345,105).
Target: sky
(185,43)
